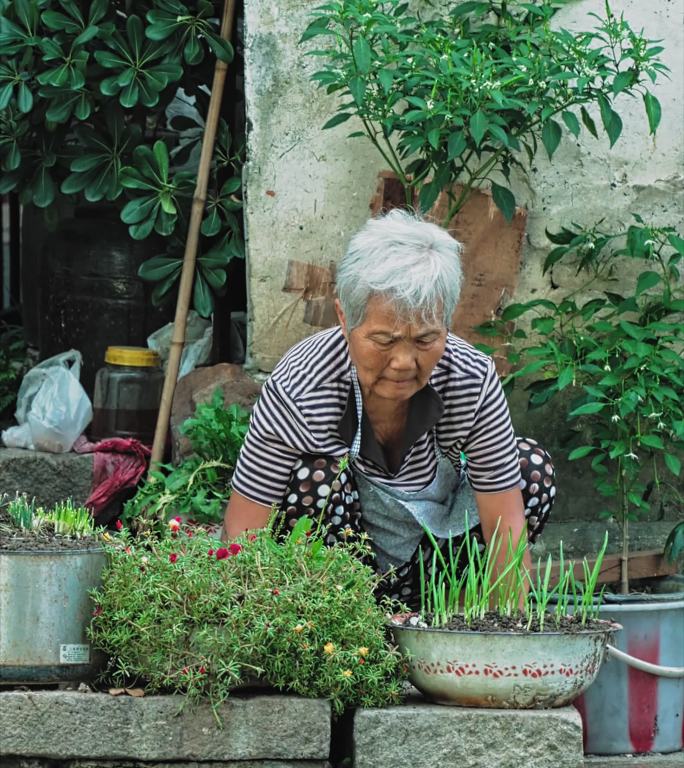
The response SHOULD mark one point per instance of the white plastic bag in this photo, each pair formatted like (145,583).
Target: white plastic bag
(52,406)
(198,339)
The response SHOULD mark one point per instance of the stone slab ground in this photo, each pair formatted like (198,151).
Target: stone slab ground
(421,735)
(69,729)
(674,760)
(271,731)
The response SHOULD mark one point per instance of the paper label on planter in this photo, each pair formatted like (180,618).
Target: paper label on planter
(74,654)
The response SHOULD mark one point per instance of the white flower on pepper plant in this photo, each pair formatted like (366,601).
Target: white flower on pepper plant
(615,418)
(632,456)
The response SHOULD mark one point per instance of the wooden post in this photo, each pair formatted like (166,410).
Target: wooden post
(191,243)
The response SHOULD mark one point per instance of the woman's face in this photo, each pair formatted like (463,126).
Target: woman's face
(393,358)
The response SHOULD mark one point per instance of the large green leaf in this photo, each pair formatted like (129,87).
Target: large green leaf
(551,136)
(478,126)
(505,201)
(653,111)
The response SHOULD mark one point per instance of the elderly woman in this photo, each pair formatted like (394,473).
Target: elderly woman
(418,412)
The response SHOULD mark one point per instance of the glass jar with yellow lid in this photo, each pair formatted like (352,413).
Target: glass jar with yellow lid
(127,394)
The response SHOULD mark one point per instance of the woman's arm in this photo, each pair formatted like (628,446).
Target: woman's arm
(243,514)
(506,509)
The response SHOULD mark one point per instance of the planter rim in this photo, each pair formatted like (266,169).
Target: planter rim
(63,551)
(642,597)
(610,626)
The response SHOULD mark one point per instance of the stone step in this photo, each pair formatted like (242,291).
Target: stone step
(421,735)
(49,477)
(69,725)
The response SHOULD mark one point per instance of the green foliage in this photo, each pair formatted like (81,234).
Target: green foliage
(199,487)
(618,354)
(87,98)
(63,519)
(467,91)
(510,590)
(13,366)
(184,614)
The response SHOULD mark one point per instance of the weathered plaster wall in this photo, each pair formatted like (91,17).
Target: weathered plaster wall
(308,190)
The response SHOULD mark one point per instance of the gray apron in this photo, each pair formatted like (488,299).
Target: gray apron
(394,518)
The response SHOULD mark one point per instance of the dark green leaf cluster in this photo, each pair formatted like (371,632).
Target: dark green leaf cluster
(199,487)
(618,353)
(466,92)
(85,94)
(184,615)
(13,365)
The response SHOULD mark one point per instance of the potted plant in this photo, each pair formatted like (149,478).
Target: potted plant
(493,639)
(615,354)
(184,613)
(464,94)
(458,99)
(101,110)
(49,560)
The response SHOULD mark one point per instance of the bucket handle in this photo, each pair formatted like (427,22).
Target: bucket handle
(645,666)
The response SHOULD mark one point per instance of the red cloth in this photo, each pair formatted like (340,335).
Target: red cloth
(118,465)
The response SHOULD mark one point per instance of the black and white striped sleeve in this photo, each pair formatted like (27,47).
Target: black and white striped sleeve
(490,447)
(276,438)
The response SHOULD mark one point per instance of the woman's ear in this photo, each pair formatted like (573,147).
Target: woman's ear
(340,316)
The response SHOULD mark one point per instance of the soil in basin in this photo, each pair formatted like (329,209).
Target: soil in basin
(516,624)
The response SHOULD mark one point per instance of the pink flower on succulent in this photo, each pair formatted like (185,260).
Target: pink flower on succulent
(202,670)
(275,591)
(235,549)
(119,525)
(97,611)
(173,557)
(222,553)
(210,553)
(252,537)
(174,525)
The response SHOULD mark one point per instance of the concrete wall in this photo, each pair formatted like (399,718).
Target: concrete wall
(308,190)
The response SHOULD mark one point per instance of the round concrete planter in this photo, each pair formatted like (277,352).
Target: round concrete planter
(45,609)
(502,669)
(633,706)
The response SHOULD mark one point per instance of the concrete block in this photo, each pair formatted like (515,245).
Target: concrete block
(70,725)
(50,477)
(19,762)
(421,735)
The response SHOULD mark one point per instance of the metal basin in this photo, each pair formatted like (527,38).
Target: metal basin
(45,609)
(502,669)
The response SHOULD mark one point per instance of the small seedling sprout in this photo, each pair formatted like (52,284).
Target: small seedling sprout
(510,589)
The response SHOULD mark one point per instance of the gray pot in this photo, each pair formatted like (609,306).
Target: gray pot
(45,609)
(636,704)
(501,669)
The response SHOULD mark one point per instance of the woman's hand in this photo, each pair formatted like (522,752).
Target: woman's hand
(243,514)
(508,511)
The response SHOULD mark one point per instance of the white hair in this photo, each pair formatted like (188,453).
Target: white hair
(406,260)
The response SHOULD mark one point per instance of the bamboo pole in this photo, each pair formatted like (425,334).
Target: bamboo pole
(191,243)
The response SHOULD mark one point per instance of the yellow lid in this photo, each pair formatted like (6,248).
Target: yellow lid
(139,357)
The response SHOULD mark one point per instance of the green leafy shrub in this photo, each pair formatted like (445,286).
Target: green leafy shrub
(185,614)
(619,355)
(100,101)
(199,487)
(466,91)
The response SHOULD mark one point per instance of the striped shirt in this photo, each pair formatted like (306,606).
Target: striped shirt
(307,406)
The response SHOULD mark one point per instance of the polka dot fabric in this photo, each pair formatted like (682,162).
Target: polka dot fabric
(317,487)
